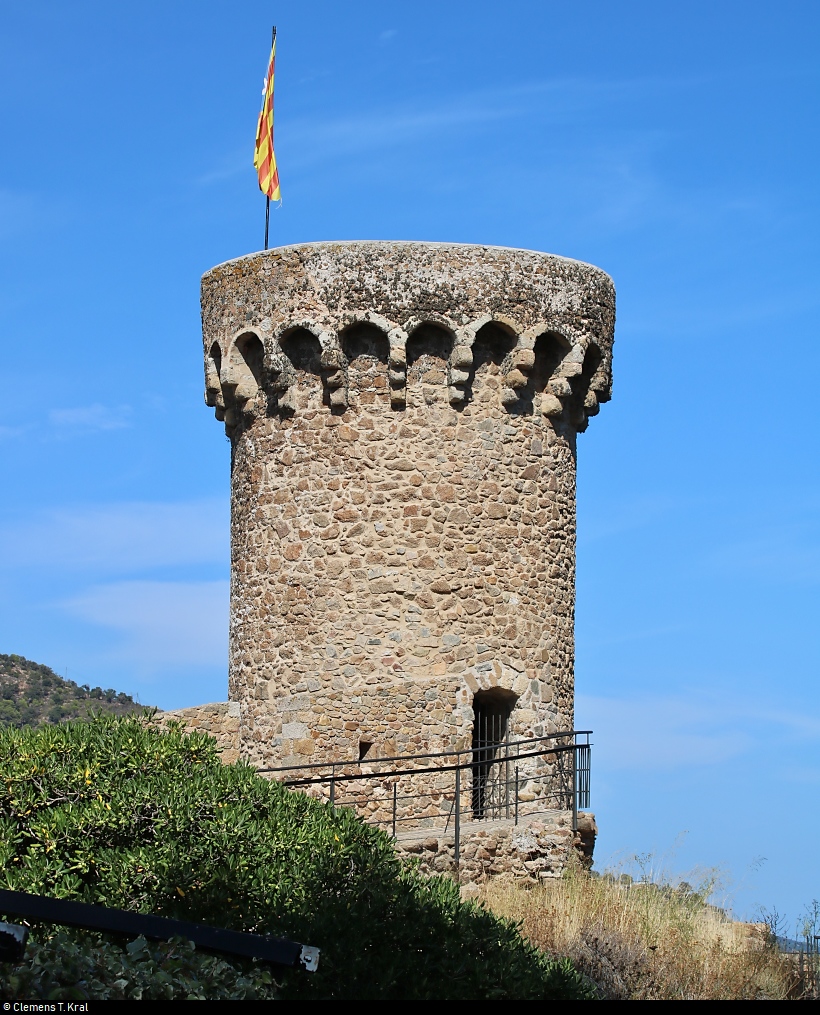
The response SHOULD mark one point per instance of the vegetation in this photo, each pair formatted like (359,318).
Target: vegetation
(649,941)
(66,965)
(32,694)
(114,812)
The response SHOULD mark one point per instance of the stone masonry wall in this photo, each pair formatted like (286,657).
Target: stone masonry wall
(403,421)
(536,848)
(533,851)
(219,720)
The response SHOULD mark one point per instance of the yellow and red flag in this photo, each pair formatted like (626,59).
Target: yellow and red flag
(264,159)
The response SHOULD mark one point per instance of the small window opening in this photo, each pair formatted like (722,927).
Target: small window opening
(364,747)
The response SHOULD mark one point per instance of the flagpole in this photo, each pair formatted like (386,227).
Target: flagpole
(267,197)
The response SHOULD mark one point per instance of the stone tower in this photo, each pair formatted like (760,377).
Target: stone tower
(403,420)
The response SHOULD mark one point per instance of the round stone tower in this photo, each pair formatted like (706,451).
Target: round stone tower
(403,419)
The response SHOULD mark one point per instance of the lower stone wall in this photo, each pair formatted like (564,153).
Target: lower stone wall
(219,720)
(539,848)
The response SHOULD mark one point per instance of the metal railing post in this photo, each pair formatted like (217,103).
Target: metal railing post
(516,794)
(457,842)
(395,785)
(507,773)
(574,785)
(332,786)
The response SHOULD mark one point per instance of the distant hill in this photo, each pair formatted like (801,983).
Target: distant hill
(32,694)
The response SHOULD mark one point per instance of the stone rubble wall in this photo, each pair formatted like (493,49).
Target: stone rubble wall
(539,848)
(380,625)
(219,720)
(403,422)
(426,799)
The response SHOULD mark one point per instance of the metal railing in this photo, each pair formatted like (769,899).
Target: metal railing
(504,780)
(808,967)
(13,937)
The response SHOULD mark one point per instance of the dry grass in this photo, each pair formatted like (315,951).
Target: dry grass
(647,941)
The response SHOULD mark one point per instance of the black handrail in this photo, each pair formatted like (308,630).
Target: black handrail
(416,771)
(435,754)
(573,790)
(158,928)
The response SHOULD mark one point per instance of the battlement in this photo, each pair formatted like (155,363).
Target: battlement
(386,326)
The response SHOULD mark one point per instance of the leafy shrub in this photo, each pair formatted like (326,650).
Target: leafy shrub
(64,965)
(116,813)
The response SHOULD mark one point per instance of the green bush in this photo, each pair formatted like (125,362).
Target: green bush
(116,813)
(66,965)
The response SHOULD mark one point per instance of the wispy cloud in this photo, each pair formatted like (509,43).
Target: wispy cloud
(230,165)
(659,732)
(786,554)
(120,538)
(90,419)
(696,730)
(161,624)
(387,35)
(313,140)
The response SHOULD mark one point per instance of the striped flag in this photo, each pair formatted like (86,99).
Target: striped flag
(264,159)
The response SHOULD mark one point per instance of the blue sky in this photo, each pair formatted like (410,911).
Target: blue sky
(673,145)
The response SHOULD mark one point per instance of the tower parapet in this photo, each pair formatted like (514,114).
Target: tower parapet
(403,420)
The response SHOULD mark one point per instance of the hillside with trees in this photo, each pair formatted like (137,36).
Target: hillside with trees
(32,694)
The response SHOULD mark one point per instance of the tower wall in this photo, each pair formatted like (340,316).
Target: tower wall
(403,419)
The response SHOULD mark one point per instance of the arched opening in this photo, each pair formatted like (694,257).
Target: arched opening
(213,369)
(491,714)
(302,349)
(253,355)
(215,355)
(428,350)
(549,350)
(581,383)
(492,344)
(366,349)
(245,359)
